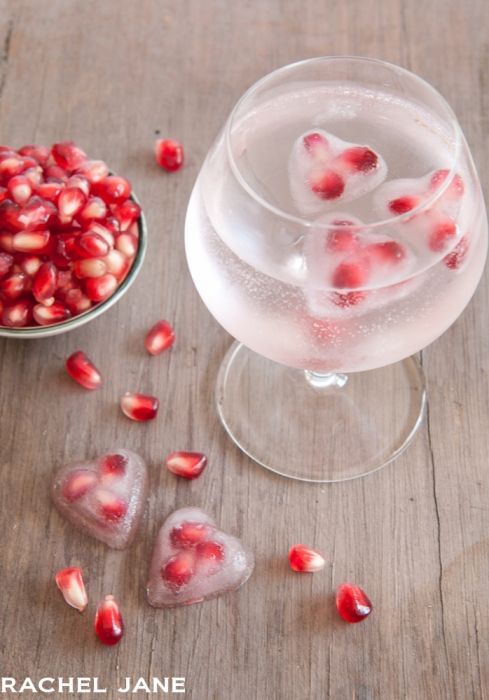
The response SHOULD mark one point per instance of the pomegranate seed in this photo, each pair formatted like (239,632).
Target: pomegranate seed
(50,190)
(347,300)
(402,205)
(211,551)
(91,245)
(351,274)
(359,159)
(112,224)
(113,189)
(169,154)
(39,153)
(11,165)
(103,232)
(112,507)
(456,187)
(34,176)
(6,242)
(99,288)
(127,213)
(179,569)
(70,583)
(116,263)
(13,286)
(18,314)
(94,210)
(139,407)
(127,244)
(189,534)
(9,215)
(83,371)
(78,484)
(80,182)
(3,193)
(94,170)
(455,258)
(316,144)
(90,267)
(44,284)
(36,214)
(68,155)
(328,185)
(55,171)
(114,465)
(190,465)
(6,262)
(20,189)
(46,315)
(70,201)
(441,235)
(388,252)
(30,264)
(352,603)
(342,241)
(159,338)
(31,241)
(76,301)
(302,558)
(109,626)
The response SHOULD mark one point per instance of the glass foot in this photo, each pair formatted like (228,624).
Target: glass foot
(315,427)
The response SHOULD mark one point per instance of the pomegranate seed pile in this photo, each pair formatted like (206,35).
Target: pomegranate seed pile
(68,233)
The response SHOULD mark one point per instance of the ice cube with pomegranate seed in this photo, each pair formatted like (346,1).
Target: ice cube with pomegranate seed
(324,170)
(104,497)
(194,560)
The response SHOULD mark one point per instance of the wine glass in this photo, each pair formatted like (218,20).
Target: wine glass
(336,228)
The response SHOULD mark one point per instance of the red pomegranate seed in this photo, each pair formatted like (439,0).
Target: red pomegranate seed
(9,215)
(455,258)
(316,144)
(78,484)
(76,302)
(31,241)
(127,213)
(18,314)
(359,159)
(99,288)
(114,465)
(352,603)
(80,182)
(68,155)
(302,558)
(44,284)
(6,242)
(94,210)
(169,154)
(50,190)
(179,569)
(11,164)
(36,214)
(190,465)
(388,252)
(30,264)
(456,187)
(127,244)
(159,338)
(112,507)
(94,170)
(441,235)
(116,263)
(113,189)
(347,300)
(109,626)
(3,193)
(13,286)
(39,153)
(70,201)
(6,262)
(328,185)
(70,583)
(83,371)
(20,189)
(55,172)
(34,176)
(47,315)
(351,274)
(189,534)
(139,407)
(91,245)
(402,205)
(211,551)
(89,267)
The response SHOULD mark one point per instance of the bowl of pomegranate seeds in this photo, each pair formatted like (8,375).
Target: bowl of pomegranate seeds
(72,239)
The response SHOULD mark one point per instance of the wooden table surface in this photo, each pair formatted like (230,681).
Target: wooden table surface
(111,75)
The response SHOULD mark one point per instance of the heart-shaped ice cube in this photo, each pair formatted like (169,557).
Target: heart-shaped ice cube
(105,497)
(193,560)
(325,170)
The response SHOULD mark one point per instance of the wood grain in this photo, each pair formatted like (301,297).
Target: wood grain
(111,75)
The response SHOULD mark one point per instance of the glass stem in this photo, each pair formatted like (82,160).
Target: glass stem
(323,380)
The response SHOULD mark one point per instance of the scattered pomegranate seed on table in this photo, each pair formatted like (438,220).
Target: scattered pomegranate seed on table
(109,626)
(70,583)
(169,154)
(139,407)
(83,371)
(68,233)
(305,559)
(159,338)
(352,603)
(189,465)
